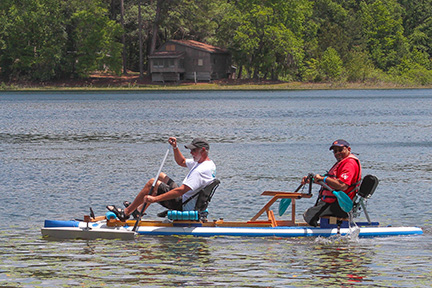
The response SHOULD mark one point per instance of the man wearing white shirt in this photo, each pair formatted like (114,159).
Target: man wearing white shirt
(202,171)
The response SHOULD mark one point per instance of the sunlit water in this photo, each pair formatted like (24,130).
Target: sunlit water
(62,153)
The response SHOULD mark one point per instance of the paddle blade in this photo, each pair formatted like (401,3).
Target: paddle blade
(344,201)
(283,205)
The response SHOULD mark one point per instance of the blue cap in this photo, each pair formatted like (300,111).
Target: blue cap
(339,143)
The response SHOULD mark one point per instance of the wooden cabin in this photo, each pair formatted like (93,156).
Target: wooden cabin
(178,60)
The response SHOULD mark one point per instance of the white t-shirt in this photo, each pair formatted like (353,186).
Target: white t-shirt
(199,176)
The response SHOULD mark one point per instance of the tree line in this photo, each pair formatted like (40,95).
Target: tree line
(289,40)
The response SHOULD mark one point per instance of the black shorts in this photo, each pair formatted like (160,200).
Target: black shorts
(173,204)
(312,215)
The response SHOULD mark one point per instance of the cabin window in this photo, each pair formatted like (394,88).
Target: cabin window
(170,47)
(158,63)
(200,62)
(171,63)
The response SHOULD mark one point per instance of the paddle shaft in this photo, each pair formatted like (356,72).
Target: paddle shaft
(299,187)
(310,176)
(344,202)
(151,191)
(325,186)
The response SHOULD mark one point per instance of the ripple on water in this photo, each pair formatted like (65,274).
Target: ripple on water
(65,152)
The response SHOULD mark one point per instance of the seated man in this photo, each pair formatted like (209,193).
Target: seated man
(344,176)
(202,171)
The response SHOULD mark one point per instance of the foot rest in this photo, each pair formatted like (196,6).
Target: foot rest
(333,222)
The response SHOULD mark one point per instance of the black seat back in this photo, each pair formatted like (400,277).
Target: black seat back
(205,195)
(368,186)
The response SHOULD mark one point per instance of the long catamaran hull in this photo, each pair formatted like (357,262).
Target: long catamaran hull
(104,229)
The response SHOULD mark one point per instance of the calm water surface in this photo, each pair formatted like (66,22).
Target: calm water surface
(61,153)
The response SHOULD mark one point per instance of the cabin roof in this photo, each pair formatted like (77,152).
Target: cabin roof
(167,54)
(199,45)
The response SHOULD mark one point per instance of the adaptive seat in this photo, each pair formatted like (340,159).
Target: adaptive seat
(205,195)
(200,212)
(367,188)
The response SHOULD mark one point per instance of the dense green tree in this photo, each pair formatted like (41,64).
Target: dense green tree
(94,39)
(311,40)
(331,64)
(415,14)
(358,66)
(383,30)
(46,39)
(3,25)
(132,29)
(32,39)
(417,22)
(191,19)
(266,37)
(311,71)
(339,26)
(331,18)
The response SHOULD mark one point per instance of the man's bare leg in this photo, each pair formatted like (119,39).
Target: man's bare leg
(139,199)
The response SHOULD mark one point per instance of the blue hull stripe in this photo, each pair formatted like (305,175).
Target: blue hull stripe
(270,234)
(247,231)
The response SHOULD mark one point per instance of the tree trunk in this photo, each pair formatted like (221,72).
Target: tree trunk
(123,36)
(255,74)
(155,26)
(240,72)
(141,62)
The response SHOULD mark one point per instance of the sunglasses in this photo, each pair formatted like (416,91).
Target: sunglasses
(337,150)
(195,150)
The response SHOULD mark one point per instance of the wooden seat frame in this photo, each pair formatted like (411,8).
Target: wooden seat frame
(276,195)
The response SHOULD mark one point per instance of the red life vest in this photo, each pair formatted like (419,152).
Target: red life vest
(327,196)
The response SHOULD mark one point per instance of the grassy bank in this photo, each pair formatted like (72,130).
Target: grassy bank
(132,82)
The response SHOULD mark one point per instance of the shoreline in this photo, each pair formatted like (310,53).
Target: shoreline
(131,82)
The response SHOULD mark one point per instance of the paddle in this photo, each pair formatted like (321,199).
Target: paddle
(151,191)
(344,200)
(285,202)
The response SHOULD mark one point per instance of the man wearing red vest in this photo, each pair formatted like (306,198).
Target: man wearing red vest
(345,175)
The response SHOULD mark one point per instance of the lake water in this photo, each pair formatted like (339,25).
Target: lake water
(61,153)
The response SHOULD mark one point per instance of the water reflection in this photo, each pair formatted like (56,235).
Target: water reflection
(344,265)
(186,249)
(64,152)
(218,261)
